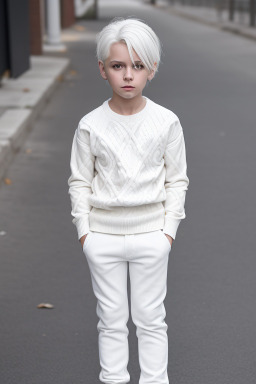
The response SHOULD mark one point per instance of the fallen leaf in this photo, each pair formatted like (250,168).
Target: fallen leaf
(26,90)
(7,181)
(79,28)
(45,305)
(72,72)
(28,150)
(6,74)
(60,78)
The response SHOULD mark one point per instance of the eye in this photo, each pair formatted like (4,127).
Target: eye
(138,66)
(117,66)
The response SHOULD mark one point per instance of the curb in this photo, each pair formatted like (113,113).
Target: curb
(21,109)
(226,27)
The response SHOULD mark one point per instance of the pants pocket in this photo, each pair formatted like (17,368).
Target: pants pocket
(165,238)
(87,240)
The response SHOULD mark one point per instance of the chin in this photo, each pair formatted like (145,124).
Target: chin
(129,95)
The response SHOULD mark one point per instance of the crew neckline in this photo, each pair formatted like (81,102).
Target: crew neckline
(118,116)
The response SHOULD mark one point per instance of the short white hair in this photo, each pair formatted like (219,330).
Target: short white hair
(136,34)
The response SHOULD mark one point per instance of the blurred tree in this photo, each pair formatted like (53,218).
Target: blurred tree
(96,9)
(252,13)
(231,9)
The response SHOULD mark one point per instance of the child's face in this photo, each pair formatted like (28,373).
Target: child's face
(120,71)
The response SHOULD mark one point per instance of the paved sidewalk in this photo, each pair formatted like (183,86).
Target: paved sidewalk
(22,99)
(218,18)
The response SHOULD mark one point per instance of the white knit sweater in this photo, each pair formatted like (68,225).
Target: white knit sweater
(128,172)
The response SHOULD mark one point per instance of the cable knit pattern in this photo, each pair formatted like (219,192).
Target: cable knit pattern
(128,172)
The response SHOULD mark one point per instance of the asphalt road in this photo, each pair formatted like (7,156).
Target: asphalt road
(208,78)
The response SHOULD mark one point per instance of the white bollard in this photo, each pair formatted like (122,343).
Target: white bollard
(53,27)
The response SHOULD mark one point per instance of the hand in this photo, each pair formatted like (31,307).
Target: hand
(82,240)
(169,238)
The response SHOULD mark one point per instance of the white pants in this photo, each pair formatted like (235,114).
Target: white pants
(108,256)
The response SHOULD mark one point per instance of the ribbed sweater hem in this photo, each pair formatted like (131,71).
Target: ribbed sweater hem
(128,220)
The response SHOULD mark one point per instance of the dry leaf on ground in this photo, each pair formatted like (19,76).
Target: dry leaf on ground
(45,305)
(7,181)
(79,28)
(60,78)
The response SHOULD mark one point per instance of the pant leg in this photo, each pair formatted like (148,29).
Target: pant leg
(109,281)
(148,277)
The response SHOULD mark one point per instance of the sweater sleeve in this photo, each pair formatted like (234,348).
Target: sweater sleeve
(82,173)
(176,180)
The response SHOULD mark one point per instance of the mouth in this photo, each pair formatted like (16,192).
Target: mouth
(128,87)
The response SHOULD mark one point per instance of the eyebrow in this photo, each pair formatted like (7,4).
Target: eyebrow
(116,61)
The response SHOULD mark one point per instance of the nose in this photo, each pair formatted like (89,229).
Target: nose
(128,75)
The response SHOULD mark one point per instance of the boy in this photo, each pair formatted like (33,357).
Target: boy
(127,188)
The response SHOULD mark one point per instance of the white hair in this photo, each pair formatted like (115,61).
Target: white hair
(136,34)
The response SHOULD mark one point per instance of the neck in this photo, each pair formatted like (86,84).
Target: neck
(127,106)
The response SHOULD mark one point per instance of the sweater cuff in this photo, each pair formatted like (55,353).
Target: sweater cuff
(171,226)
(82,226)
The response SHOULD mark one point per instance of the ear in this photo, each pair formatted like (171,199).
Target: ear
(152,72)
(102,70)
